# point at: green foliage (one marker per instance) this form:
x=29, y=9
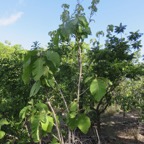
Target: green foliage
x=2, y=122
x=98, y=88
x=35, y=88
x=71, y=83
x=130, y=95
x=73, y=109
x=84, y=123
x=38, y=69
x=39, y=117
x=53, y=57
x=80, y=121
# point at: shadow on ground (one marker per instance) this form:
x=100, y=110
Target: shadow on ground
x=118, y=130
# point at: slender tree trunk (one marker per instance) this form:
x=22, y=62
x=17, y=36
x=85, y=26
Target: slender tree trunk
x=80, y=71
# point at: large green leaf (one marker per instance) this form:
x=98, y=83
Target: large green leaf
x=44, y=125
x=27, y=66
x=51, y=123
x=84, y=123
x=53, y=57
x=98, y=88
x=2, y=134
x=35, y=88
x=35, y=128
x=38, y=68
x=48, y=125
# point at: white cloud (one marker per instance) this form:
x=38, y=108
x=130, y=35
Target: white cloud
x=11, y=19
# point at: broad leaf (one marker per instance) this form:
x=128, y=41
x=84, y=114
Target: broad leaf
x=2, y=134
x=51, y=123
x=44, y=125
x=35, y=88
x=35, y=128
x=27, y=66
x=98, y=88
x=53, y=57
x=84, y=123
x=38, y=68
x=48, y=125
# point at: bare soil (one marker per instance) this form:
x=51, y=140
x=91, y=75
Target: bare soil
x=117, y=129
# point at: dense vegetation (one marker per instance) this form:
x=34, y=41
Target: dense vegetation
x=54, y=95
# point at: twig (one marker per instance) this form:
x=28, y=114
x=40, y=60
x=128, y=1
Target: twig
x=84, y=91
x=99, y=142
x=57, y=127
x=62, y=96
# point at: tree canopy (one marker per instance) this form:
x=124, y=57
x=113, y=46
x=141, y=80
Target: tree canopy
x=54, y=95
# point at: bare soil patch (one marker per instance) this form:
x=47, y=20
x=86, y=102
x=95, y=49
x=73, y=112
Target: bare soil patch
x=117, y=129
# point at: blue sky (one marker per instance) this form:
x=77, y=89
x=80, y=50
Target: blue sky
x=25, y=21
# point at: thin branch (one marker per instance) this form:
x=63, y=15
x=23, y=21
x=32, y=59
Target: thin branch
x=80, y=72
x=84, y=91
x=99, y=142
x=62, y=96
x=57, y=127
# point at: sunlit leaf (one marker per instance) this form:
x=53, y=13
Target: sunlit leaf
x=44, y=125
x=51, y=123
x=2, y=134
x=73, y=109
x=84, y=123
x=35, y=128
x=98, y=88
x=48, y=124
